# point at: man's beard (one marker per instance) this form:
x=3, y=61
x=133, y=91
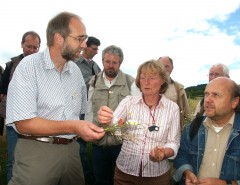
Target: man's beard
x=111, y=73
x=69, y=54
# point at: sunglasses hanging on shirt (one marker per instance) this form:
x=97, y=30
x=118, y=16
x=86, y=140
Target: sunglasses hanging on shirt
x=153, y=127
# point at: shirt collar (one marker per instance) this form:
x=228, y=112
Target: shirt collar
x=107, y=82
x=208, y=121
x=83, y=59
x=162, y=102
x=87, y=60
x=49, y=63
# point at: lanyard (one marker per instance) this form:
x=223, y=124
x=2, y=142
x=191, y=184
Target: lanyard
x=153, y=115
x=153, y=127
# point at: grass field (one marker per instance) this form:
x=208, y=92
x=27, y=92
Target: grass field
x=3, y=149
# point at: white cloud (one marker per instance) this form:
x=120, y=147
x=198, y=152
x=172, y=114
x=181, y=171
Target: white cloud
x=143, y=29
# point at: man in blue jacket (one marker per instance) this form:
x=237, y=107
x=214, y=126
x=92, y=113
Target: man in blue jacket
x=212, y=156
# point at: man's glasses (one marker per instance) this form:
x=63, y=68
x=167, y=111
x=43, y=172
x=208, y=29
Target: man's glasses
x=80, y=38
x=111, y=62
x=215, y=75
x=94, y=49
x=32, y=47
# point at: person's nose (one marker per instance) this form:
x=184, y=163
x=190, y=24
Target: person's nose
x=83, y=44
x=212, y=77
x=146, y=80
x=32, y=50
x=208, y=98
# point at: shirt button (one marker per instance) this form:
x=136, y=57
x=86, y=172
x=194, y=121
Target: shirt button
x=213, y=164
x=215, y=149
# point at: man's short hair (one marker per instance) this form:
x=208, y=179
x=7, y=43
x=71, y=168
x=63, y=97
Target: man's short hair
x=224, y=68
x=93, y=41
x=59, y=24
x=236, y=93
x=33, y=33
x=115, y=50
x=171, y=60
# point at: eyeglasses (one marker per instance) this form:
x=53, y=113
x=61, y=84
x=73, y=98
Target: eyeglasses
x=32, y=47
x=94, y=49
x=111, y=62
x=80, y=38
x=215, y=74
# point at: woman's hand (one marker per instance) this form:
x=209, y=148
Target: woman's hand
x=157, y=154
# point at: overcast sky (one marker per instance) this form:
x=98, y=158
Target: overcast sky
x=194, y=33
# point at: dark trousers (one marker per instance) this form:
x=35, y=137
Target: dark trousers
x=122, y=178
x=104, y=162
x=86, y=164
x=12, y=138
x=1, y=125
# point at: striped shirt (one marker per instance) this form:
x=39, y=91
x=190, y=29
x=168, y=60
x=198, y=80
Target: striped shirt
x=38, y=89
x=136, y=148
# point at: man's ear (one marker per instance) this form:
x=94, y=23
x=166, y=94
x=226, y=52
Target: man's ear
x=58, y=38
x=236, y=103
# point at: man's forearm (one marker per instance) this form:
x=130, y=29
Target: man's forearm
x=44, y=127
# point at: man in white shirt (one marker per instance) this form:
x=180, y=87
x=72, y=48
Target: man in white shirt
x=46, y=96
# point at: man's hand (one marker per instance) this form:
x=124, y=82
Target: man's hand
x=105, y=115
x=190, y=177
x=211, y=181
x=88, y=131
x=43, y=127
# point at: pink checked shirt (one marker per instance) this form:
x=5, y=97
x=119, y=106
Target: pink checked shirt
x=139, y=141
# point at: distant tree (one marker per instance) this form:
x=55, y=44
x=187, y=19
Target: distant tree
x=195, y=91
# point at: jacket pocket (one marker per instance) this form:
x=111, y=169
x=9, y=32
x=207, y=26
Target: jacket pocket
x=231, y=164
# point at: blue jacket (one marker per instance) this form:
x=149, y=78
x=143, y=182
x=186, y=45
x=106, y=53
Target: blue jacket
x=190, y=153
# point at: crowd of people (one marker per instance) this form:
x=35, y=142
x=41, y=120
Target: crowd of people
x=56, y=101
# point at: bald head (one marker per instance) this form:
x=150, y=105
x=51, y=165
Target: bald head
x=227, y=84
x=221, y=99
x=167, y=62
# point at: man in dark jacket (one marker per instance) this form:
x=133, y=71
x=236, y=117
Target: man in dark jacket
x=1, y=118
x=30, y=44
x=212, y=155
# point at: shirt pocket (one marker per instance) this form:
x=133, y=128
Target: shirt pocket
x=76, y=102
x=122, y=94
x=193, y=154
